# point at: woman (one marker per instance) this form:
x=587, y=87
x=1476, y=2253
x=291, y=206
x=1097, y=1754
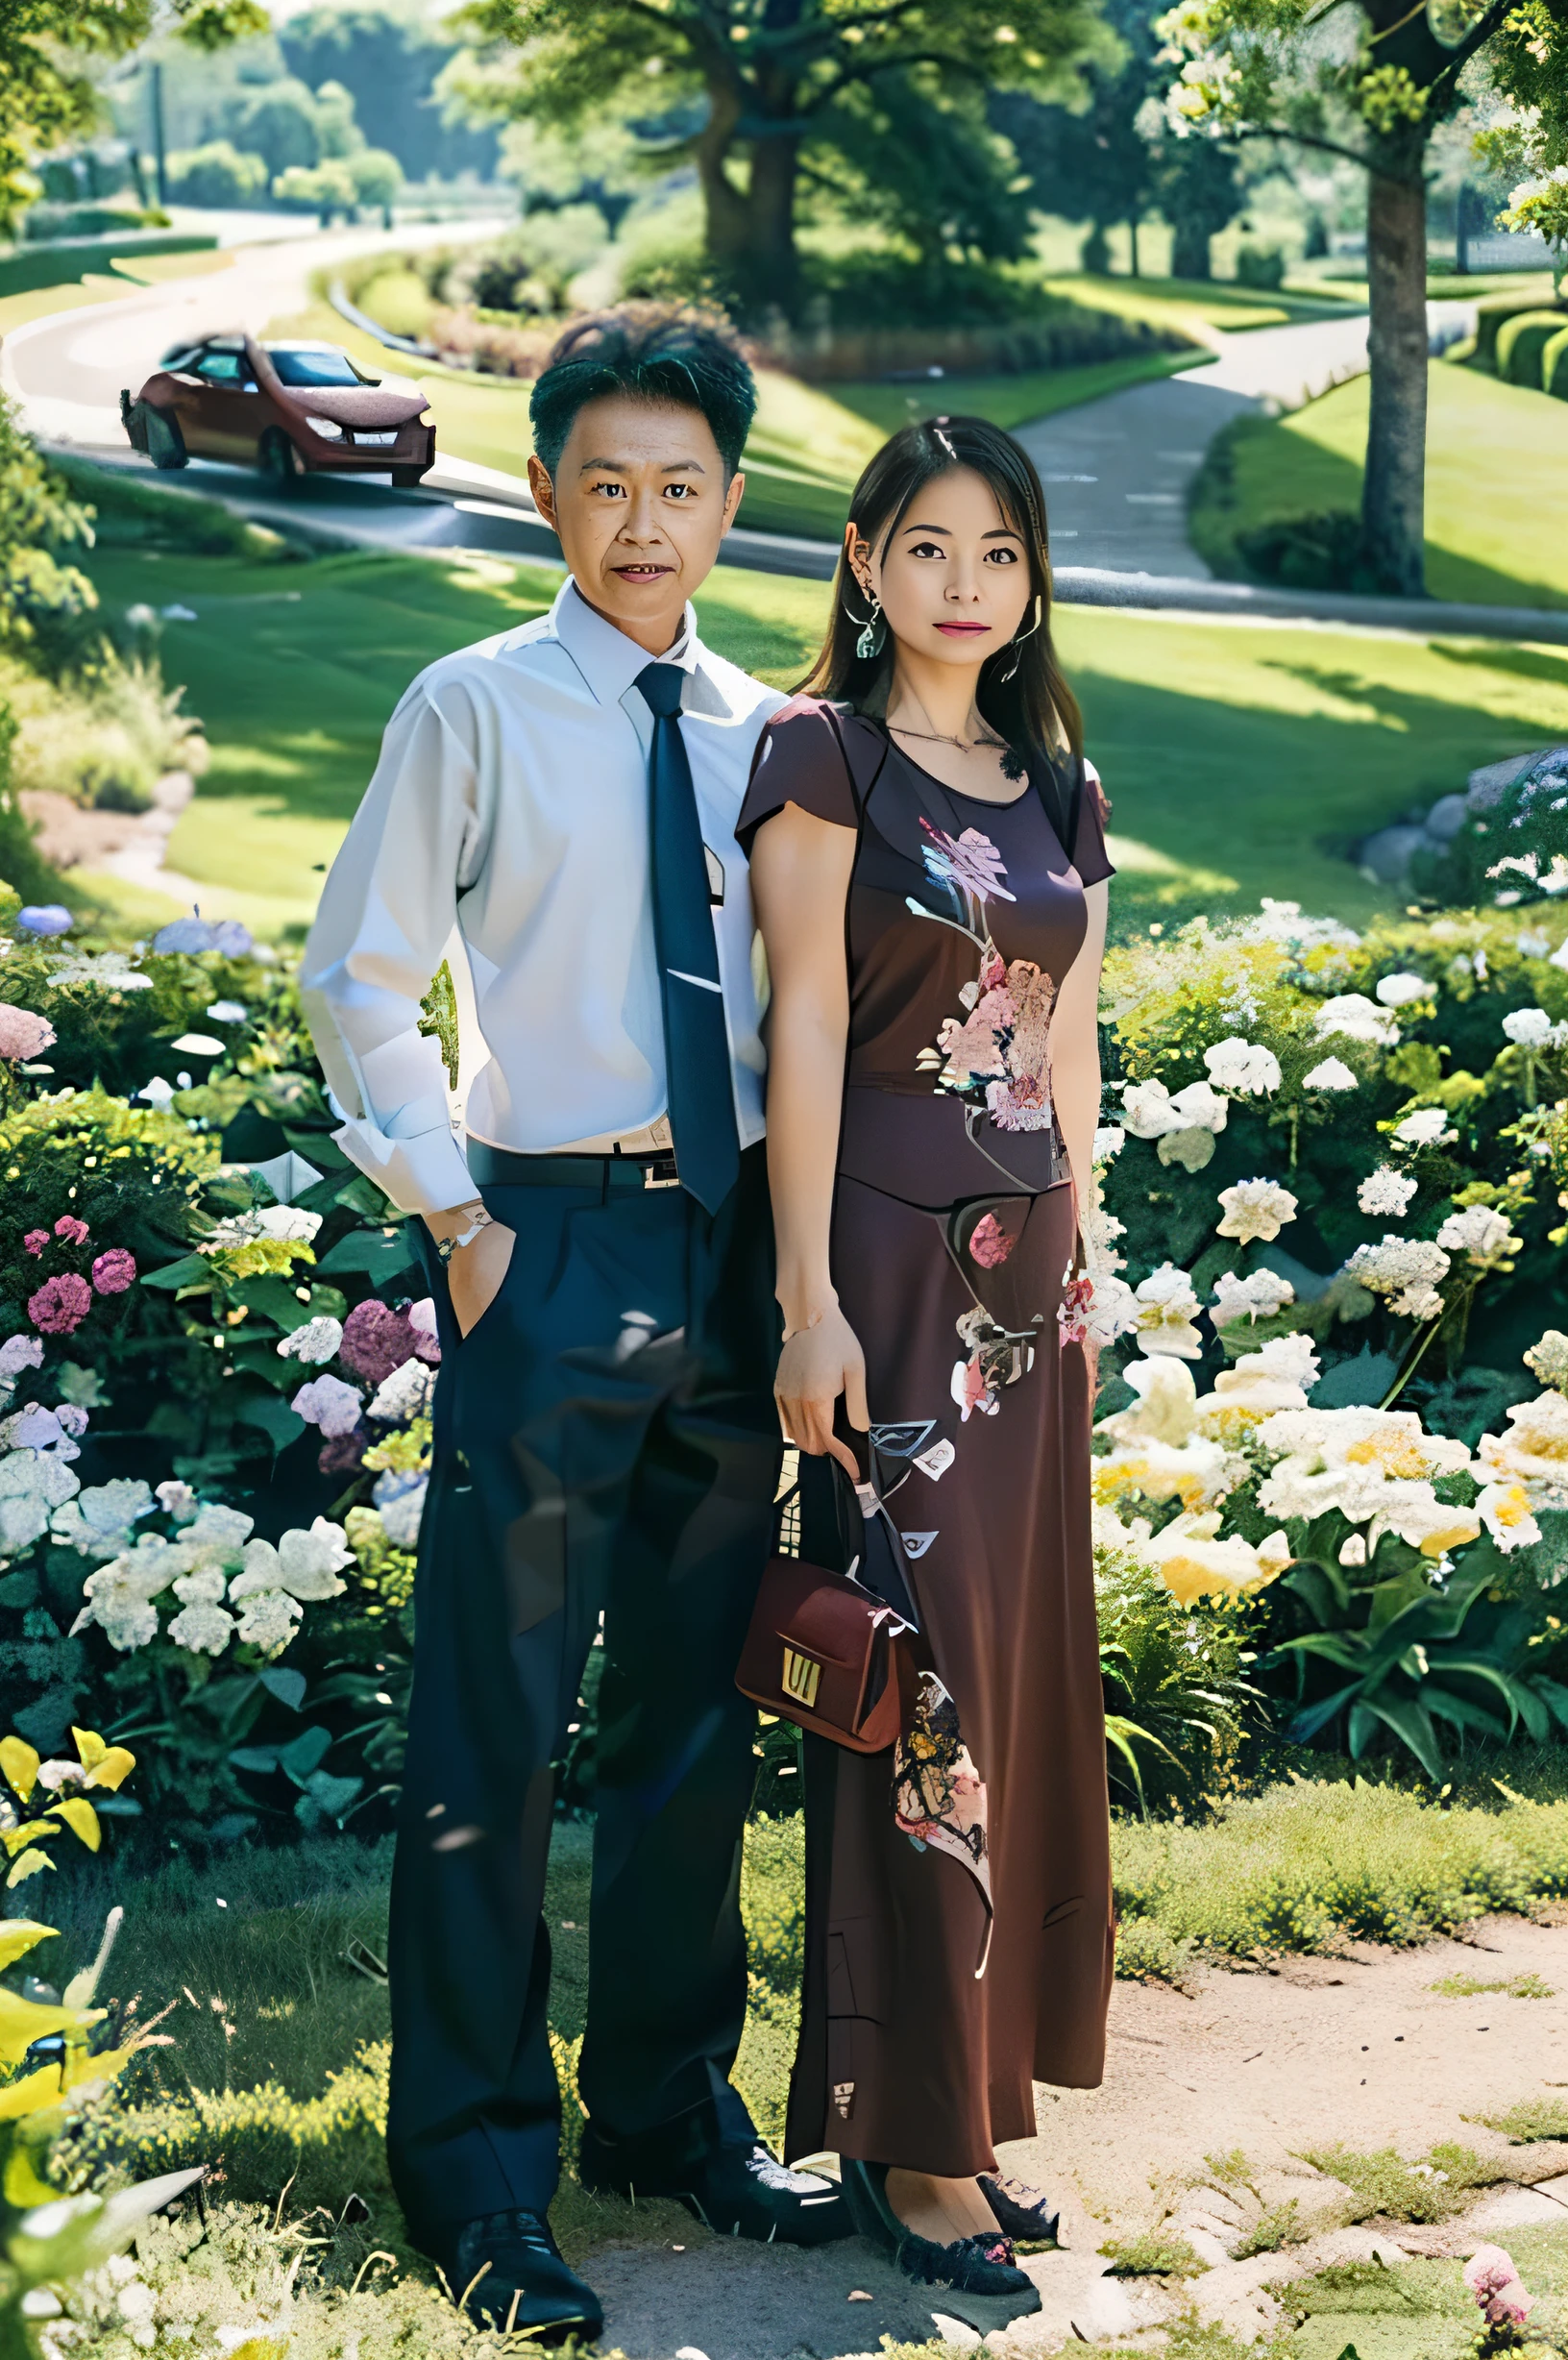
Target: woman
x=929, y=870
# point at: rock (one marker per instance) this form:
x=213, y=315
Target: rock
x=1386, y=856
x=1516, y=2208
x=1447, y=816
x=1491, y=782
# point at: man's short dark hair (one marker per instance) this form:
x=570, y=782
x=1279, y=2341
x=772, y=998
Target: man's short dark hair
x=657, y=352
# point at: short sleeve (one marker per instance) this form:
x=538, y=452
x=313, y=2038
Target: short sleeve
x=799, y=759
x=1089, y=853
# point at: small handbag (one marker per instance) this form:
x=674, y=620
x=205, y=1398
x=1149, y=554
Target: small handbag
x=830, y=1655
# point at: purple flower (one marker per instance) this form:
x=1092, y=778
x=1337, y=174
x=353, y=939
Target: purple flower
x=45, y=918
x=22, y=1034
x=343, y=1454
x=73, y=1231
x=328, y=1403
x=19, y=1352
x=114, y=1271
x=378, y=1340
x=195, y=934
x=971, y=861
x=36, y=1240
x=60, y=1305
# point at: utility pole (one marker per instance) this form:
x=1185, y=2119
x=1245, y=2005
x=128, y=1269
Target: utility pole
x=155, y=74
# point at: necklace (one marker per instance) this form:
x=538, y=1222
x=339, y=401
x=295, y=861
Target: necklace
x=1012, y=766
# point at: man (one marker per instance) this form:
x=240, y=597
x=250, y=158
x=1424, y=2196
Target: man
x=605, y=1445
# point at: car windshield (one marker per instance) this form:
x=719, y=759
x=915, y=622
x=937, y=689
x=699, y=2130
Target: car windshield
x=298, y=364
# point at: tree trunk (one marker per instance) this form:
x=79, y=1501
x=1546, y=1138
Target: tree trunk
x=1131, y=242
x=1393, y=494
x=725, y=206
x=1189, y=256
x=773, y=261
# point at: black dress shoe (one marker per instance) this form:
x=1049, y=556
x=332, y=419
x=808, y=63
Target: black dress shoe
x=506, y=2272
x=980, y=2265
x=738, y=2191
x=1023, y=2212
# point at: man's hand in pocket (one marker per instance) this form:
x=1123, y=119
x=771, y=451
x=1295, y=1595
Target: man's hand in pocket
x=476, y=1272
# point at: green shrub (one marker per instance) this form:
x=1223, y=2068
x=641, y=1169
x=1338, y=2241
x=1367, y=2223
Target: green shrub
x=1384, y=2184
x=1259, y=266
x=105, y=738
x=217, y=174
x=1174, y=1683
x=1534, y=2118
x=1521, y=343
x=1554, y=365
x=1317, y=549
x=1504, y=853
x=1155, y=2254
x=400, y=301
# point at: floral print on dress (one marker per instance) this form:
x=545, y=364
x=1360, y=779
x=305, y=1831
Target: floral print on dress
x=939, y=1796
x=998, y=1056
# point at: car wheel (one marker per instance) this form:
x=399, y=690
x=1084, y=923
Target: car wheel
x=165, y=444
x=407, y=479
x=279, y=460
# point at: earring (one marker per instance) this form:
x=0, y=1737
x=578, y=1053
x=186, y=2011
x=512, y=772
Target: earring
x=873, y=634
x=1018, y=638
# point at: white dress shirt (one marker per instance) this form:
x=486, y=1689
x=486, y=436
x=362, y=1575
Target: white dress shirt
x=511, y=801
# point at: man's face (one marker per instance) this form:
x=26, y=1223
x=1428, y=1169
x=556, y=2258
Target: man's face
x=641, y=505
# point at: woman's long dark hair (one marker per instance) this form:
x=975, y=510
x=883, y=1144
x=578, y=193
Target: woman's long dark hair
x=1034, y=709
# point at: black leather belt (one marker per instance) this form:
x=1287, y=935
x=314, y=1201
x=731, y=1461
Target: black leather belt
x=497, y=1167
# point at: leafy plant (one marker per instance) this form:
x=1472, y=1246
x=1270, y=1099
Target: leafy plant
x=43, y=1807
x=1174, y=1675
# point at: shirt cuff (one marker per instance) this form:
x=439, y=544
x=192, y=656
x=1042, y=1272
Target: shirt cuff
x=424, y=1175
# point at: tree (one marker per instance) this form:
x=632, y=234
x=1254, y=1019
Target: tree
x=47, y=93
x=1198, y=184
x=279, y=122
x=1372, y=79
x=326, y=189
x=778, y=85
x=216, y=174
x=391, y=65
x=378, y=176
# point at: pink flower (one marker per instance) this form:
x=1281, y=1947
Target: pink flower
x=993, y=972
x=22, y=1034
x=971, y=1048
x=36, y=1240
x=60, y=1305
x=970, y=1391
x=1494, y=2280
x=971, y=861
x=989, y=1242
x=114, y=1271
x=1072, y=1312
x=73, y=1231
x=1023, y=1105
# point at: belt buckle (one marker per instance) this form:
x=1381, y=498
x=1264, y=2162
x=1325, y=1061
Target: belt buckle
x=661, y=1173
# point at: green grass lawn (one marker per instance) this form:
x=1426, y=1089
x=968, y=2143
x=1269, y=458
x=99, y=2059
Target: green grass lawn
x=1242, y=760
x=1497, y=457
x=1190, y=306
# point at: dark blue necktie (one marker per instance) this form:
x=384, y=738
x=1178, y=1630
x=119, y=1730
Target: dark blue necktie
x=695, y=1043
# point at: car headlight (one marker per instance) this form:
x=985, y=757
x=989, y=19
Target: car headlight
x=326, y=428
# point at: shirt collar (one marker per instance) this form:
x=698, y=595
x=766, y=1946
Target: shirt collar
x=607, y=660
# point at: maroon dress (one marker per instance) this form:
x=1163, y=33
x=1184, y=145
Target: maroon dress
x=960, y=1939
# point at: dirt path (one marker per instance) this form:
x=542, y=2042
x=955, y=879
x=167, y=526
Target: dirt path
x=1357, y=2051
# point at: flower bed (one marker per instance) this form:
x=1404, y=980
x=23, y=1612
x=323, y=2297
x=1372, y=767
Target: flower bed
x=1338, y=1184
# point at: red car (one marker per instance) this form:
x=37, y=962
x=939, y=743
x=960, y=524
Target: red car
x=293, y=408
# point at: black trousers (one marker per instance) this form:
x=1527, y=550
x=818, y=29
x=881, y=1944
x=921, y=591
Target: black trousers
x=606, y=1446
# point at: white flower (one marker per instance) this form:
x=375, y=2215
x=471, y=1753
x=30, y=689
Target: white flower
x=127, y=1623
x=1352, y=1549
x=1353, y=1017
x=1291, y=1358
x=1169, y=1306
x=290, y=1222
x=1242, y=1066
x=1257, y=1296
x=1535, y=1454
x=1398, y=991
x=422, y=1314
x=203, y=1630
x=328, y=1403
x=401, y=1500
x=1399, y=1267
x=98, y=1521
x=1165, y=1409
x=268, y=1620
x=1108, y=1141
x=1150, y=1110
x=203, y=1588
x=1113, y=1309
x=1532, y=944
x=1548, y=1359
x=217, y=1536
x=315, y=1341
x=229, y=1011
x=40, y=1475
x=1255, y=1209
x=404, y=1395
x=1505, y=1510
x=178, y=1500
x=108, y=971
x=1427, y=1127
x=1386, y=1192
x=1421, y=1519
x=303, y=1564
x=16, y=1353
x=1528, y=1028
x=1482, y=1234
x=1331, y=1074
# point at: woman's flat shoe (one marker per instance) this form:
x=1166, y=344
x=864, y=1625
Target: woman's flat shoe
x=975, y=2266
x=1021, y=2211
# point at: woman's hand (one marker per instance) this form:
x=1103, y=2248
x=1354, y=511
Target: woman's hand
x=476, y=1272
x=818, y=1364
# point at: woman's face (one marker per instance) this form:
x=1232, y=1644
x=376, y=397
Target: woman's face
x=954, y=583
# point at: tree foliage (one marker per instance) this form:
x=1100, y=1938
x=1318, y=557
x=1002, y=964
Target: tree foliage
x=47, y=95
x=759, y=91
